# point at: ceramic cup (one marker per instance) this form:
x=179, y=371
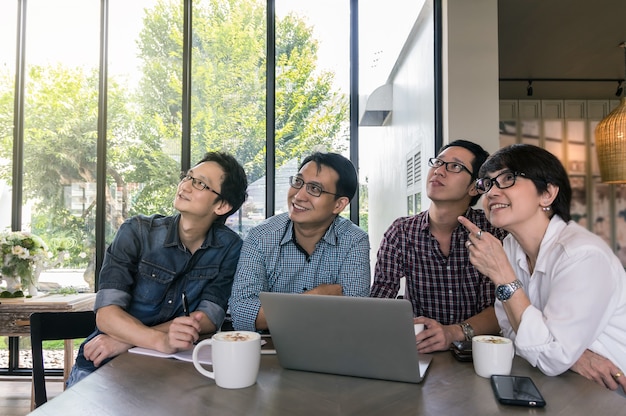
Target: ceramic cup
x=235, y=355
x=492, y=355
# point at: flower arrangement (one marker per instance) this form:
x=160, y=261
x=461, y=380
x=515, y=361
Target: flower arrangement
x=23, y=256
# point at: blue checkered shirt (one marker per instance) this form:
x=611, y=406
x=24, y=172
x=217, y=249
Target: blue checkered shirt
x=270, y=261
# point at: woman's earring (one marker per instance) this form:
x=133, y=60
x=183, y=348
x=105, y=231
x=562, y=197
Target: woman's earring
x=546, y=209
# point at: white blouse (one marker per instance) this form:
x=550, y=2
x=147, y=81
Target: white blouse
x=578, y=297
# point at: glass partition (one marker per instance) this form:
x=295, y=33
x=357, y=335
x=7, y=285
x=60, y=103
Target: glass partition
x=312, y=85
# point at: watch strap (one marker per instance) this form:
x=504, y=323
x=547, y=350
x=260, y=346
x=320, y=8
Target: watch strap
x=511, y=288
x=468, y=331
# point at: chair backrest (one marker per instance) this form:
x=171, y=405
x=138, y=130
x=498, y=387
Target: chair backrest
x=48, y=326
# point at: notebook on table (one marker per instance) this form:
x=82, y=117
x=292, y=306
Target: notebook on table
x=352, y=336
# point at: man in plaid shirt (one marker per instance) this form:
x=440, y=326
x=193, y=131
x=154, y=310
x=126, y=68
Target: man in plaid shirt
x=449, y=296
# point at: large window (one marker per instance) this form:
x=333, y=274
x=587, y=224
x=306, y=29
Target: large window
x=103, y=103
x=60, y=125
x=8, y=13
x=312, y=84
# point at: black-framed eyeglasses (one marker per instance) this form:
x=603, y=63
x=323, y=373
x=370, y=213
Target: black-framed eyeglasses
x=504, y=180
x=312, y=189
x=197, y=183
x=454, y=167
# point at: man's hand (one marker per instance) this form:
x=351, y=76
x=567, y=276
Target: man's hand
x=599, y=369
x=434, y=337
x=326, y=289
x=102, y=347
x=184, y=331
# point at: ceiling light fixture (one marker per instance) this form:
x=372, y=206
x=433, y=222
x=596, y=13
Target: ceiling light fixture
x=611, y=140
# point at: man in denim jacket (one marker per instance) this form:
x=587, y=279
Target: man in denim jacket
x=154, y=259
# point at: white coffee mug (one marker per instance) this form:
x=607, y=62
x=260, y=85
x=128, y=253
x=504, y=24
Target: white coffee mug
x=492, y=355
x=236, y=356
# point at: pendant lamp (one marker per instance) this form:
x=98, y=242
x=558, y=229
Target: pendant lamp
x=611, y=141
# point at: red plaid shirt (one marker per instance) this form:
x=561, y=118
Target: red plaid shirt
x=446, y=289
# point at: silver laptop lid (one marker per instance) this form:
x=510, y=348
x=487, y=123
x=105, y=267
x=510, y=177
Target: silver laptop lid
x=362, y=337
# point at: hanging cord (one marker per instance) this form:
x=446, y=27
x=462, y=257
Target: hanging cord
x=623, y=46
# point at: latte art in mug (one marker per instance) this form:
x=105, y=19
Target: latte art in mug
x=233, y=336
x=492, y=340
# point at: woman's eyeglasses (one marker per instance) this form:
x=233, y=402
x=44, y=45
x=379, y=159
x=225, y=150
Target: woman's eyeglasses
x=502, y=181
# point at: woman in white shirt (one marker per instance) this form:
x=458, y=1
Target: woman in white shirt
x=561, y=291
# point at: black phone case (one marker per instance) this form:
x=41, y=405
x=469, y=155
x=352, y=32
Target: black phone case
x=462, y=350
x=522, y=391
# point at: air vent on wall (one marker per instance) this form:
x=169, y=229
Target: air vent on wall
x=413, y=171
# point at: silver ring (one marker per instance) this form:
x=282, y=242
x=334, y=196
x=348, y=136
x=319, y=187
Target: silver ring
x=468, y=243
x=479, y=234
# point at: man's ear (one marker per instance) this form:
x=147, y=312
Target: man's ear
x=223, y=207
x=340, y=204
x=472, y=190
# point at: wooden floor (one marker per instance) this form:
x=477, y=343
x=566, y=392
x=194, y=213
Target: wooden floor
x=15, y=394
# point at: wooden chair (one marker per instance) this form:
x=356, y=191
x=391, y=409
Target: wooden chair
x=48, y=326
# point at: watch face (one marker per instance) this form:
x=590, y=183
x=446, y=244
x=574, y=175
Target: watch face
x=503, y=292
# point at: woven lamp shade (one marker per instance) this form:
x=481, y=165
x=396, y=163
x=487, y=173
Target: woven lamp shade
x=611, y=145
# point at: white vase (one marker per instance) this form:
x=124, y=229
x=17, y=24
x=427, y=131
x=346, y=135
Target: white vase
x=34, y=281
x=13, y=283
x=32, y=289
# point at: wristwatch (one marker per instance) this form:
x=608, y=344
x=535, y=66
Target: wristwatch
x=468, y=331
x=504, y=292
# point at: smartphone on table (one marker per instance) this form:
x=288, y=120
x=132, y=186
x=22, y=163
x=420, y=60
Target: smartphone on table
x=462, y=350
x=517, y=390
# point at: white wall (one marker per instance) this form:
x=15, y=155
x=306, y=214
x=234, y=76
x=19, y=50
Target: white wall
x=470, y=66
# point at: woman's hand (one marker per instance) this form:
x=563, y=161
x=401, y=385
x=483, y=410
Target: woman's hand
x=487, y=254
x=599, y=369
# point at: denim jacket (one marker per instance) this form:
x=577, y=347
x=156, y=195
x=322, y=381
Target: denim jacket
x=146, y=269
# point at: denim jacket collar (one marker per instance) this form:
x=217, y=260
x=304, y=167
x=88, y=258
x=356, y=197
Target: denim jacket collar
x=173, y=238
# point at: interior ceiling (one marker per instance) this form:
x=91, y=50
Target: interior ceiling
x=561, y=39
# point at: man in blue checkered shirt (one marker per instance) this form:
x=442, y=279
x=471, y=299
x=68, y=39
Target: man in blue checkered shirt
x=450, y=297
x=310, y=249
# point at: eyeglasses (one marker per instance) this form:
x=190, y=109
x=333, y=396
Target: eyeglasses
x=454, y=167
x=197, y=183
x=312, y=189
x=504, y=180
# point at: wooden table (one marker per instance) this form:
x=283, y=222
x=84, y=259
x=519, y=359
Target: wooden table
x=132, y=384
x=15, y=321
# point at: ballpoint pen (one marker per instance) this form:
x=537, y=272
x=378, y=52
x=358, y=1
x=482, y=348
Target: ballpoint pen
x=185, y=304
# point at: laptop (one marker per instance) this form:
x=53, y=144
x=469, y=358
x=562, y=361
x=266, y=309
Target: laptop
x=352, y=336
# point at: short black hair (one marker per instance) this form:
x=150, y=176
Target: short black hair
x=347, y=182
x=234, y=185
x=480, y=155
x=540, y=166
